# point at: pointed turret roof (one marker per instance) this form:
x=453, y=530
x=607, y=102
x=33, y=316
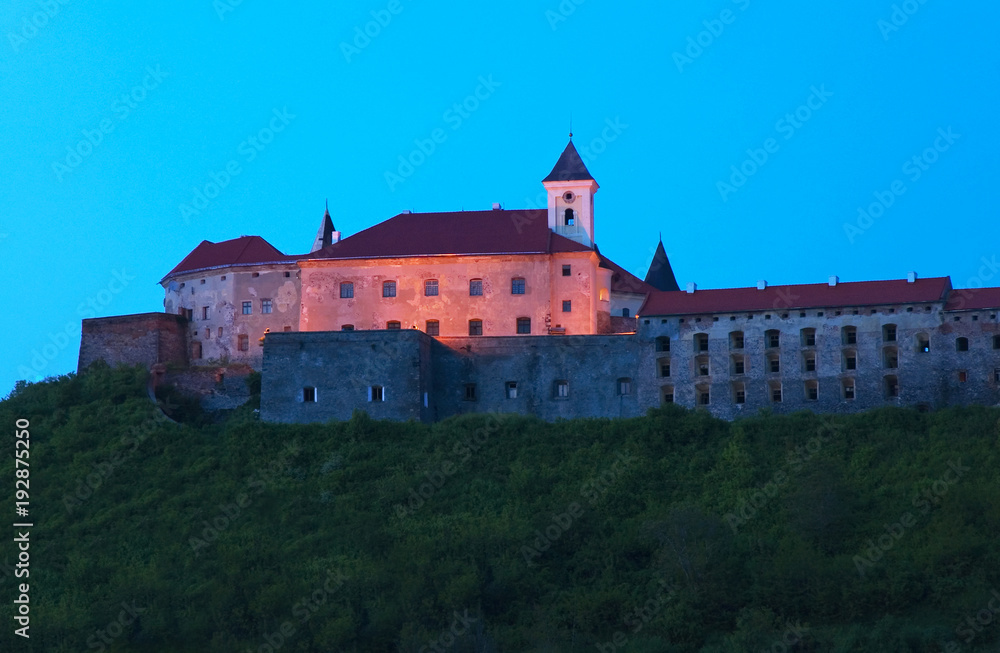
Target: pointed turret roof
x=660, y=274
x=569, y=167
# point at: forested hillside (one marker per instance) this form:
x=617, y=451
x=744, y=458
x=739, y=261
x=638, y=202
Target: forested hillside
x=672, y=532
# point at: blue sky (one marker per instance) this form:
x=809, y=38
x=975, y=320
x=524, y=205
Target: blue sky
x=749, y=133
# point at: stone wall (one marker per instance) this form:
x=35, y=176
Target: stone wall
x=145, y=338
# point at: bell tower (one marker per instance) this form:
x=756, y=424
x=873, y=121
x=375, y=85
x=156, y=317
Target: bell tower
x=571, y=189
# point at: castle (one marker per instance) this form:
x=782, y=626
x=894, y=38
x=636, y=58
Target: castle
x=428, y=315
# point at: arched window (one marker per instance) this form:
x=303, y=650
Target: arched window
x=569, y=218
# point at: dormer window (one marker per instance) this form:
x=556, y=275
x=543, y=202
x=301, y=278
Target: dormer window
x=569, y=218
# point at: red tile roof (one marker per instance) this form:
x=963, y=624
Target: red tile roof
x=461, y=232
x=817, y=295
x=970, y=299
x=245, y=250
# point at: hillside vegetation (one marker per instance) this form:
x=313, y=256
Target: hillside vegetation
x=668, y=533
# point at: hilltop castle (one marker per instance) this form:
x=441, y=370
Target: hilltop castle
x=427, y=315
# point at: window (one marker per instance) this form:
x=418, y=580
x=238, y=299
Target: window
x=663, y=343
x=665, y=367
x=889, y=333
x=923, y=343
x=524, y=325
x=346, y=290
x=848, y=388
x=560, y=389
x=248, y=308
x=701, y=342
x=849, y=335
x=568, y=307
x=624, y=386
x=667, y=393
x=470, y=391
x=393, y=325
x=890, y=358
x=432, y=328
x=808, y=337
x=388, y=288
x=812, y=390
x=376, y=393
x=962, y=344
x=776, y=393
x=773, y=364
x=626, y=313
x=476, y=288
x=309, y=394
x=244, y=342
x=347, y=327
x=963, y=376
x=701, y=366
x=204, y=312
x=736, y=340
x=475, y=327
x=809, y=363
x=772, y=338
x=569, y=218
x=850, y=360
x=517, y=286
x=431, y=288
x=265, y=306
x=511, y=389
x=739, y=364
x=566, y=270
x=891, y=387
x=739, y=393
x=195, y=350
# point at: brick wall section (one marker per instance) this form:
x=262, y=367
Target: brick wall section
x=145, y=338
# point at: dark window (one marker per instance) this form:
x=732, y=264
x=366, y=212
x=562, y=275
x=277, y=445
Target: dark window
x=511, y=389
x=248, y=308
x=470, y=391
x=432, y=328
x=376, y=393
x=523, y=325
x=265, y=306
x=962, y=344
x=309, y=394
x=566, y=271
x=475, y=327
x=569, y=218
x=244, y=342
x=388, y=288
x=517, y=286
x=476, y=288
x=346, y=290
x=624, y=386
x=347, y=327
x=568, y=307
x=430, y=288
x=395, y=326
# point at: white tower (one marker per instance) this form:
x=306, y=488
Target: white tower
x=571, y=191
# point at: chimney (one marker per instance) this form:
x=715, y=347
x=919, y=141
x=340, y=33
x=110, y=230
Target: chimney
x=911, y=277
x=496, y=206
x=761, y=285
x=834, y=280
x=691, y=288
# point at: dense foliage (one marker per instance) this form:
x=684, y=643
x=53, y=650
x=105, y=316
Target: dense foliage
x=671, y=532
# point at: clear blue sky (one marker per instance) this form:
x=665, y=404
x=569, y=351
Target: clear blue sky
x=180, y=88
